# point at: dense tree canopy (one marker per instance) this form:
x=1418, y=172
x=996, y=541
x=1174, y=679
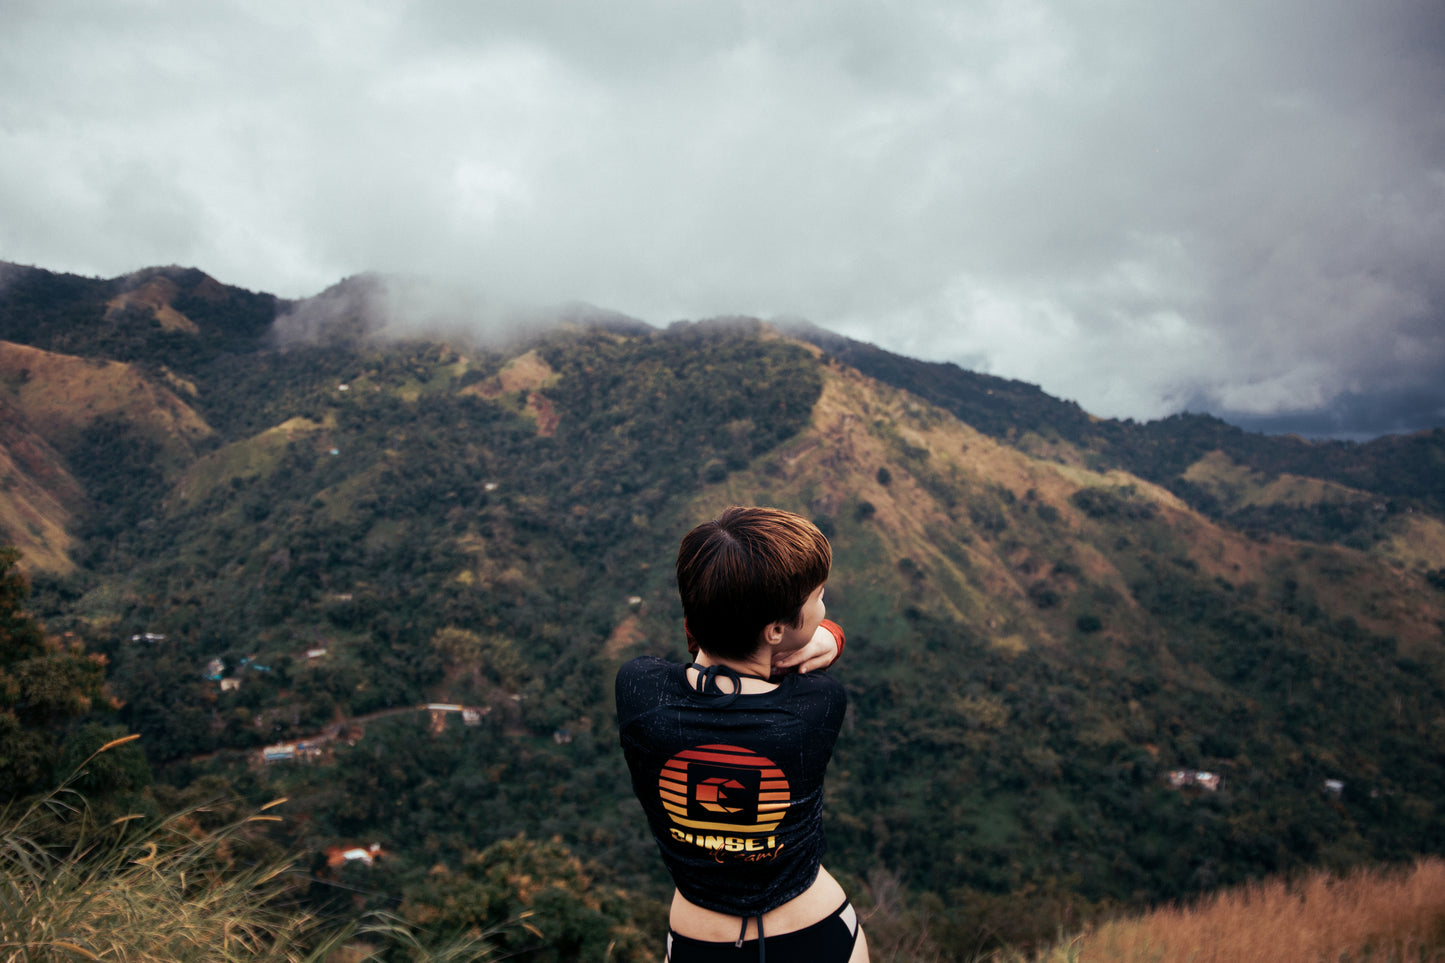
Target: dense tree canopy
x=45, y=684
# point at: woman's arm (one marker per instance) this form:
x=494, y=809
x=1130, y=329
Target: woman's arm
x=825, y=647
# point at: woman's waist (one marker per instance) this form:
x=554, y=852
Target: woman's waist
x=817, y=902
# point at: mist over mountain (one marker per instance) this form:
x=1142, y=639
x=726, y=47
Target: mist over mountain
x=288, y=522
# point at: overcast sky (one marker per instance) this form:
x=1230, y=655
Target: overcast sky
x=1234, y=206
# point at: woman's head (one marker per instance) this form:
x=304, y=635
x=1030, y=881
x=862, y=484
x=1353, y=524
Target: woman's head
x=743, y=571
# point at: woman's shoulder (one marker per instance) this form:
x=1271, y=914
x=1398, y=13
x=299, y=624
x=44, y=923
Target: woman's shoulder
x=645, y=665
x=816, y=695
x=643, y=682
x=813, y=682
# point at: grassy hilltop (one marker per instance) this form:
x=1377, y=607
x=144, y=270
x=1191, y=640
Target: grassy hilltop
x=1048, y=614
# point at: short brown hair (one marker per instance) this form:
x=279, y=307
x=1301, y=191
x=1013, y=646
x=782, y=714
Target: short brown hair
x=743, y=571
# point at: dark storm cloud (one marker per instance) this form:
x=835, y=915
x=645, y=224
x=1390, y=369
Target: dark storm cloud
x=1355, y=417
x=1231, y=206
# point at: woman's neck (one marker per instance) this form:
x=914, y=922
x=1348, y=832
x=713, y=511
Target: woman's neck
x=760, y=664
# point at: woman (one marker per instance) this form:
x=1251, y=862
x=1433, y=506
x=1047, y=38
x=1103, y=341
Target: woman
x=728, y=753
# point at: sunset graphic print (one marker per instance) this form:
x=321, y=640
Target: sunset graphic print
x=724, y=789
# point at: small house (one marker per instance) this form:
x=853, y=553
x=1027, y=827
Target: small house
x=343, y=855
x=1194, y=779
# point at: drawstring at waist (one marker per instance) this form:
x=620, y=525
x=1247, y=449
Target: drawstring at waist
x=762, y=943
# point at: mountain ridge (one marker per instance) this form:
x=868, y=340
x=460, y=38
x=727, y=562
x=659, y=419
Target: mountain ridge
x=1129, y=444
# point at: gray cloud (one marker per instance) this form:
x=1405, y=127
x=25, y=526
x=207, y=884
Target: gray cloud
x=1234, y=207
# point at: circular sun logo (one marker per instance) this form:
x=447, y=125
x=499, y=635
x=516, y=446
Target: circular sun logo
x=724, y=788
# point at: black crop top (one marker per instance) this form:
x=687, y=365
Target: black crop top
x=732, y=785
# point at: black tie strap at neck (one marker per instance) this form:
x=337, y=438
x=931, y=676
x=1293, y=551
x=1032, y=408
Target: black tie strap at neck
x=707, y=684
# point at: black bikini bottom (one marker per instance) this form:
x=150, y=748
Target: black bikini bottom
x=830, y=940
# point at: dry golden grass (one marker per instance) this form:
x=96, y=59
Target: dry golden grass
x=526, y=372
x=144, y=892
x=1392, y=915
x=156, y=294
x=1416, y=543
x=46, y=401
x=38, y=498
x=59, y=395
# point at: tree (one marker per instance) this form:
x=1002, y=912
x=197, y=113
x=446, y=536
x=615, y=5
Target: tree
x=534, y=898
x=44, y=685
x=495, y=656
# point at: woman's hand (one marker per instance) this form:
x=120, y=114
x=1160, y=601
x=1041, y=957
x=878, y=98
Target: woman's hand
x=819, y=653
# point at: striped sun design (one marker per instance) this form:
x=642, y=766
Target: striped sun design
x=773, y=789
